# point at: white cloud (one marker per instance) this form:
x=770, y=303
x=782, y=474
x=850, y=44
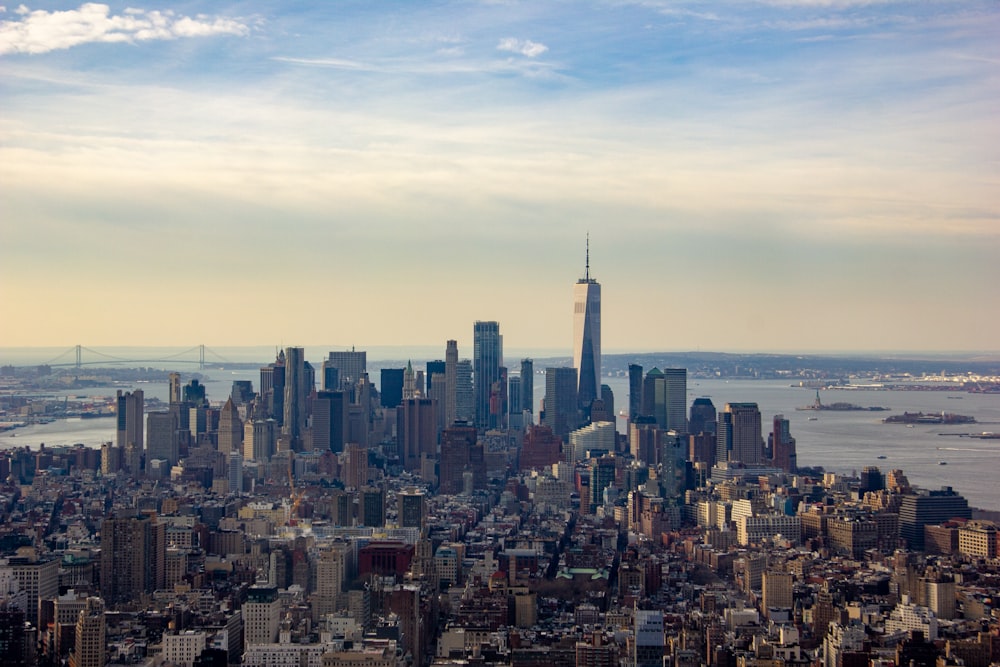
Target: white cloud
x=42, y=31
x=523, y=46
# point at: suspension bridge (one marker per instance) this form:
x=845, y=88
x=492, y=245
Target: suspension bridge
x=80, y=356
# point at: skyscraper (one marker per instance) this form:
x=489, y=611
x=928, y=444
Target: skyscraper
x=528, y=385
x=230, y=429
x=465, y=404
x=450, y=382
x=350, y=365
x=561, y=401
x=634, y=390
x=416, y=431
x=412, y=508
x=175, y=388
x=675, y=380
x=391, y=387
x=294, y=425
x=703, y=416
x=783, y=453
x=163, y=439
x=130, y=408
x=272, y=388
x=487, y=358
x=739, y=434
x=330, y=421
x=587, y=336
x=436, y=367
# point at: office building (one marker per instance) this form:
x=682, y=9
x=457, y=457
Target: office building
x=90, y=636
x=596, y=438
x=330, y=376
x=263, y=440
x=675, y=399
x=351, y=365
x=650, y=641
x=634, y=391
x=461, y=452
x=296, y=390
x=242, y=392
x=487, y=358
x=606, y=411
x=739, y=435
x=561, y=404
x=391, y=387
x=163, y=441
x=330, y=420
x=664, y=397
x=230, y=433
x=450, y=382
x=416, y=431
x=261, y=615
x=528, y=385
x=174, y=392
x=436, y=367
x=921, y=508
x=130, y=408
x=371, y=505
x=194, y=393
x=235, y=471
x=412, y=508
x=783, y=454
x=587, y=337
x=514, y=396
x=703, y=416
x=602, y=475
x=465, y=402
x=272, y=388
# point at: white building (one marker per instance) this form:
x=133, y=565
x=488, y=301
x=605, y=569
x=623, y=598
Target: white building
x=182, y=649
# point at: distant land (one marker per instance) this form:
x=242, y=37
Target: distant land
x=899, y=366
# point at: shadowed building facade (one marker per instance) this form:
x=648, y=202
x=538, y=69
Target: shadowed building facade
x=487, y=358
x=587, y=337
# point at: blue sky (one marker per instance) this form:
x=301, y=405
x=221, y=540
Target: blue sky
x=754, y=175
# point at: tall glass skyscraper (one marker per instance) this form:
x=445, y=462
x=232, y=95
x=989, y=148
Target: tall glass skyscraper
x=587, y=336
x=487, y=358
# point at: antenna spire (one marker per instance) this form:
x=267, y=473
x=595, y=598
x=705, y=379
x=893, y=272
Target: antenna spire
x=587, y=277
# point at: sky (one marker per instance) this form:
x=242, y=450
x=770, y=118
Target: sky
x=754, y=175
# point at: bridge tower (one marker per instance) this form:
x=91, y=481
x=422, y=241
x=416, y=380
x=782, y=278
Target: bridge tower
x=201, y=357
x=79, y=355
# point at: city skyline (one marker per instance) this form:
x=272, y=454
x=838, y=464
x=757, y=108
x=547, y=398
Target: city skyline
x=792, y=176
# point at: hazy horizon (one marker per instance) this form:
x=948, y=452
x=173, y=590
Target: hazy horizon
x=263, y=353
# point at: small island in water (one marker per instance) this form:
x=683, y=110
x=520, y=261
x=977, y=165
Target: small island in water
x=840, y=407
x=929, y=418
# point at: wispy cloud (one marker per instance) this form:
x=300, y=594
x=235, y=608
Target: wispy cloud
x=41, y=31
x=523, y=46
x=424, y=66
